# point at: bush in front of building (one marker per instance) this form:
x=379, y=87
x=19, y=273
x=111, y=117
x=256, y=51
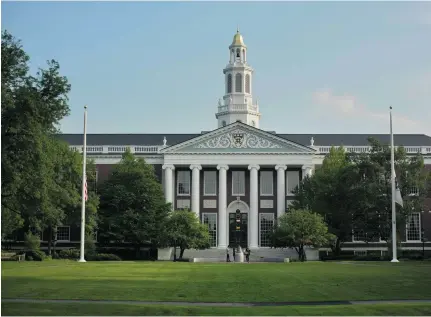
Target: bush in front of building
x=69, y=254
x=104, y=257
x=32, y=248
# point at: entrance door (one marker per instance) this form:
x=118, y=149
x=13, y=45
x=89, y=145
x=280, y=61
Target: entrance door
x=243, y=235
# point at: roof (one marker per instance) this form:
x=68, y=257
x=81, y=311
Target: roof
x=304, y=139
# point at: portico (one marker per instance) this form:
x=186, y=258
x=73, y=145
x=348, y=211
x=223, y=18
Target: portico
x=239, y=165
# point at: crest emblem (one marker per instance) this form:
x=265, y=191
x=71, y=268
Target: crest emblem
x=238, y=139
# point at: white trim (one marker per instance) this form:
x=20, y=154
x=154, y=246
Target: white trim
x=216, y=183
x=297, y=174
x=419, y=229
x=241, y=173
x=56, y=234
x=272, y=183
x=178, y=183
x=239, y=125
x=216, y=223
x=260, y=226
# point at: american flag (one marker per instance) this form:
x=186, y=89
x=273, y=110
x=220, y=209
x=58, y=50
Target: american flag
x=85, y=189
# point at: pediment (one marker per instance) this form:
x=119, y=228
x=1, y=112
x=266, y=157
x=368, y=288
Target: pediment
x=241, y=138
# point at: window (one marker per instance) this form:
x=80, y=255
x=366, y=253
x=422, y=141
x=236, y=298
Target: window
x=247, y=83
x=210, y=219
x=292, y=181
x=266, y=183
x=238, y=53
x=229, y=84
x=238, y=183
x=210, y=183
x=358, y=236
x=414, y=191
x=223, y=123
x=414, y=227
x=63, y=233
x=266, y=223
x=183, y=183
x=238, y=83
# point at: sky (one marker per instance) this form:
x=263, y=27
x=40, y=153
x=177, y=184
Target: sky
x=157, y=67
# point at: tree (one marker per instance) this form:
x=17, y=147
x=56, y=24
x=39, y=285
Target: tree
x=376, y=219
x=31, y=109
x=132, y=204
x=184, y=230
x=41, y=176
x=300, y=228
x=331, y=193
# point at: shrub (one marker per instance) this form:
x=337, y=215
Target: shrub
x=32, y=242
x=90, y=246
x=35, y=255
x=71, y=254
x=105, y=257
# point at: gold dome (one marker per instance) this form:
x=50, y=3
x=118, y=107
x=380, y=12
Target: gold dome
x=237, y=39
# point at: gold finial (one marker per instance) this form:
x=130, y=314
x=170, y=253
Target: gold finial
x=85, y=107
x=237, y=28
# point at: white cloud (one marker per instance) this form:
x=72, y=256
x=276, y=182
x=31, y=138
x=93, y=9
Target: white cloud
x=348, y=107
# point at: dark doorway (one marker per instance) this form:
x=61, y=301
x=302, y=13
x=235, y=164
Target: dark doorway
x=243, y=235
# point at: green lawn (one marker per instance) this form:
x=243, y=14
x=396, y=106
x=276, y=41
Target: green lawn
x=16, y=309
x=221, y=282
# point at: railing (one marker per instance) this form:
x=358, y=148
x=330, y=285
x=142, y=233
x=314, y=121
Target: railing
x=152, y=149
x=237, y=107
x=119, y=149
x=366, y=149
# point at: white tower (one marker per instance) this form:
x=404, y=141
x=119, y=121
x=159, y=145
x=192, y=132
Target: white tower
x=237, y=103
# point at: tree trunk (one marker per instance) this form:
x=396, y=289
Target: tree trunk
x=49, y=239
x=137, y=251
x=182, y=252
x=337, y=250
x=175, y=253
x=301, y=253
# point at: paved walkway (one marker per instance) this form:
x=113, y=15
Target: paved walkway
x=215, y=304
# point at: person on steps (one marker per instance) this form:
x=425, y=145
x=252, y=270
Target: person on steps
x=247, y=255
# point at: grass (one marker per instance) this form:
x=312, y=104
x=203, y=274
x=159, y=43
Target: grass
x=16, y=309
x=220, y=282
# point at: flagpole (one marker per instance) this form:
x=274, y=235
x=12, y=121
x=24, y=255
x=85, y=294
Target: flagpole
x=84, y=165
x=394, y=215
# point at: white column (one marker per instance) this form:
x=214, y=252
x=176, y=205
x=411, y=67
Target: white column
x=307, y=170
x=254, y=203
x=281, y=189
x=195, y=188
x=222, y=205
x=169, y=168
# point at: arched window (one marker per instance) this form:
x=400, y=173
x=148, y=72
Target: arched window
x=223, y=123
x=238, y=83
x=229, y=84
x=247, y=83
x=237, y=53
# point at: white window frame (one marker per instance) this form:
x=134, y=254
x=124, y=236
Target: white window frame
x=206, y=173
x=353, y=237
x=216, y=224
x=56, y=234
x=233, y=183
x=188, y=173
x=291, y=173
x=260, y=226
x=414, y=191
x=262, y=173
x=419, y=225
